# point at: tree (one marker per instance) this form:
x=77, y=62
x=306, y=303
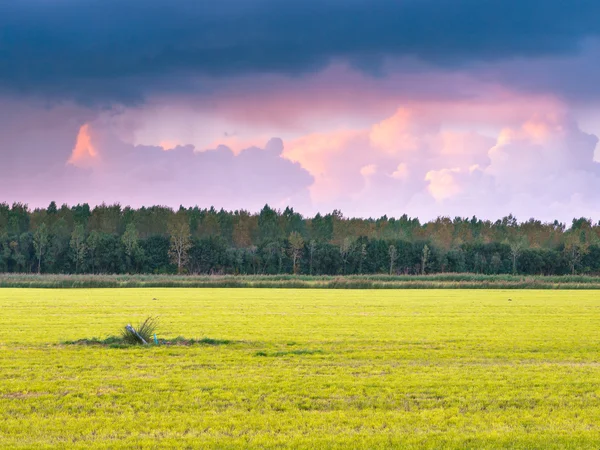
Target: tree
x=496, y=263
x=209, y=226
x=179, y=230
x=575, y=249
x=40, y=243
x=270, y=251
x=78, y=245
x=109, y=254
x=393, y=252
x=424, y=259
x=363, y=255
x=345, y=249
x=281, y=255
x=517, y=243
x=241, y=233
x=296, y=247
x=479, y=262
x=268, y=228
x=292, y=221
x=130, y=242
x=236, y=257
x=4, y=252
x=253, y=257
x=92, y=243
x=17, y=254
x=312, y=248
x=58, y=256
x=322, y=227
x=52, y=209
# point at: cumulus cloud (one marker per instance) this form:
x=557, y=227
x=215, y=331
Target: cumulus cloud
x=443, y=183
x=96, y=166
x=549, y=159
x=409, y=163
x=396, y=154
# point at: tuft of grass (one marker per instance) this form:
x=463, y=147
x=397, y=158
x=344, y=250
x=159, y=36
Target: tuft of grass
x=209, y=341
x=300, y=352
x=111, y=340
x=180, y=340
x=121, y=342
x=145, y=331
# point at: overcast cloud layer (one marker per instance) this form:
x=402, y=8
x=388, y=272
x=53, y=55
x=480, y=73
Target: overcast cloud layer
x=114, y=49
x=374, y=107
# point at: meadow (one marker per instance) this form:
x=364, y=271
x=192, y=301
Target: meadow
x=309, y=368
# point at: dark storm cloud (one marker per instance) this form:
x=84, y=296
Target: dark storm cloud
x=122, y=49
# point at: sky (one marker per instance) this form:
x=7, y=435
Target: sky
x=421, y=107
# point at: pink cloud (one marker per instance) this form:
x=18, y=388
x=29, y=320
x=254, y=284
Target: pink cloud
x=145, y=175
x=84, y=154
x=399, y=151
x=334, y=159
x=443, y=183
x=411, y=162
x=340, y=97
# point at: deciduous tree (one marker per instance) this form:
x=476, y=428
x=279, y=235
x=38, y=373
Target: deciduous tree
x=296, y=248
x=92, y=242
x=312, y=248
x=424, y=258
x=130, y=240
x=393, y=253
x=40, y=243
x=179, y=231
x=78, y=246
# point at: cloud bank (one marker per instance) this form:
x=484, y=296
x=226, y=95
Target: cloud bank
x=542, y=168
x=123, y=51
x=421, y=160
x=98, y=166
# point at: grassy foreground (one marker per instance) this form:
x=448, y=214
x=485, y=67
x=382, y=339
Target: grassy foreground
x=302, y=369
x=435, y=281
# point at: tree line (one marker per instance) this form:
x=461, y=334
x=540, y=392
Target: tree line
x=111, y=239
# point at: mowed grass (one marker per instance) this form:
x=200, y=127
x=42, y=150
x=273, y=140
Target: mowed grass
x=302, y=369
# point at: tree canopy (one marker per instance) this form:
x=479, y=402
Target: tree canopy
x=115, y=239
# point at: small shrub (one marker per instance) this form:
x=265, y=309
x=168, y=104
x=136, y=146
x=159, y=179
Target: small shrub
x=144, y=330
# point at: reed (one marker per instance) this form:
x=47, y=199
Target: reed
x=438, y=281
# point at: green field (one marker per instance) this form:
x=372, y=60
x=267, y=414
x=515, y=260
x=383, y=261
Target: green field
x=302, y=369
